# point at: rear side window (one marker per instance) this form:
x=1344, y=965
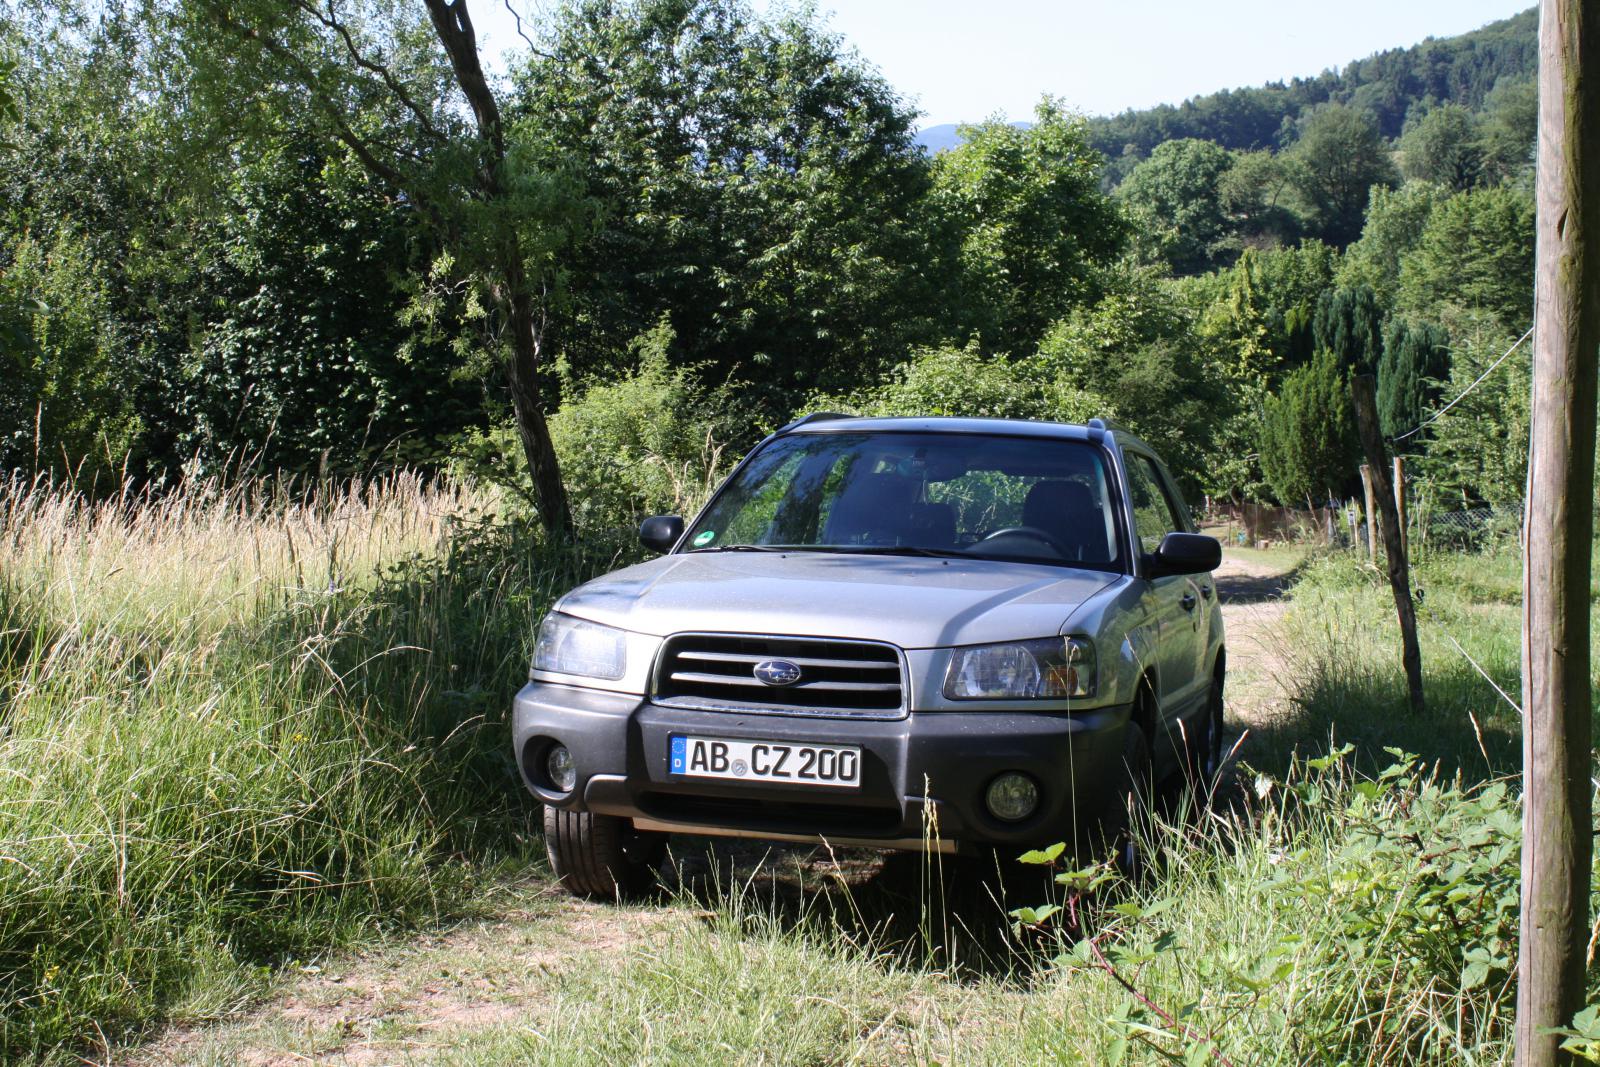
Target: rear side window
x=1154, y=513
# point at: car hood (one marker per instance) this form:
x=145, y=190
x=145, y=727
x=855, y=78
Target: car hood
x=912, y=602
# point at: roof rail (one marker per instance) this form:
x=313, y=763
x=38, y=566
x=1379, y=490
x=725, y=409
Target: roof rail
x=816, y=416
x=1098, y=427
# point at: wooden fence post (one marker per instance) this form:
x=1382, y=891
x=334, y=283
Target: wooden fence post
x=1400, y=502
x=1364, y=391
x=1557, y=841
x=1372, y=512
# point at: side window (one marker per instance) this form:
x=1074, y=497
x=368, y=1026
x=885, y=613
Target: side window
x=1153, y=514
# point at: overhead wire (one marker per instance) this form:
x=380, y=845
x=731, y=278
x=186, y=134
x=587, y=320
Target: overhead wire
x=1479, y=381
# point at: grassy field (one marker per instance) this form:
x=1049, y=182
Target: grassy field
x=241, y=729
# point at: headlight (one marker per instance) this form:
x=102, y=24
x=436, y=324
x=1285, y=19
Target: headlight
x=573, y=646
x=1053, y=668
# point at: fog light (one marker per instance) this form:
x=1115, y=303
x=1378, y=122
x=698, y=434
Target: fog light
x=1012, y=797
x=558, y=764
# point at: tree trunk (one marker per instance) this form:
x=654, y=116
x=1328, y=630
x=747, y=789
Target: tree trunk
x=1364, y=392
x=1557, y=845
x=522, y=378
x=513, y=291
x=1400, y=503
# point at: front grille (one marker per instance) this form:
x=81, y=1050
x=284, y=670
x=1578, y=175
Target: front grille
x=716, y=672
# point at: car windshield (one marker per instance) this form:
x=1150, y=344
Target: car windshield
x=944, y=494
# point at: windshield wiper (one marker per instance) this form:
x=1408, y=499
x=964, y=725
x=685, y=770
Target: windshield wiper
x=895, y=550
x=751, y=548
x=848, y=550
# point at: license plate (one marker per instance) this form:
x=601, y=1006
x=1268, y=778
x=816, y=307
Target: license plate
x=764, y=761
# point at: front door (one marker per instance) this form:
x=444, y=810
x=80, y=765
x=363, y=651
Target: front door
x=1175, y=603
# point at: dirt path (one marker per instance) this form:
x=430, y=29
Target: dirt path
x=1252, y=598
x=411, y=1001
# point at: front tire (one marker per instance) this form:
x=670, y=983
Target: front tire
x=1129, y=801
x=1211, y=753
x=600, y=856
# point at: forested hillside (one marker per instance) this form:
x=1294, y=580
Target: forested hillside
x=247, y=238
x=1489, y=69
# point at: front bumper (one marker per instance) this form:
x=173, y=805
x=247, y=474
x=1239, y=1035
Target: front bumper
x=922, y=782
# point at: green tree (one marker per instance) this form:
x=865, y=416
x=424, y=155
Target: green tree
x=1441, y=146
x=84, y=181
x=1266, y=302
x=758, y=183
x=409, y=101
x=1174, y=199
x=1035, y=231
x=1256, y=195
x=1478, y=450
x=966, y=382
x=1416, y=357
x=1394, y=225
x=1339, y=157
x=1136, y=348
x=1349, y=324
x=297, y=351
x=1475, y=254
x=1508, y=126
x=64, y=398
x=1308, y=441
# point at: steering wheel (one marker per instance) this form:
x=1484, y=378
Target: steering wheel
x=1036, y=534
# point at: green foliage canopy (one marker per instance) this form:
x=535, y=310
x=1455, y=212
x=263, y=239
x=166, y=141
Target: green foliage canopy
x=1174, y=198
x=1035, y=231
x=759, y=183
x=1339, y=157
x=1474, y=255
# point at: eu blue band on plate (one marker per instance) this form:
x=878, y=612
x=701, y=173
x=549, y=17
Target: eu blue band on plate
x=678, y=746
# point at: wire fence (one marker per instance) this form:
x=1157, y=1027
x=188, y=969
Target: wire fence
x=1344, y=524
x=1471, y=527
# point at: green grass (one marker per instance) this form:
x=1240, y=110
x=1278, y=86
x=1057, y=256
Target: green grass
x=1341, y=645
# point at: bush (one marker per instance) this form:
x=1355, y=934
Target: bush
x=1408, y=955
x=655, y=441
x=963, y=382
x=1137, y=348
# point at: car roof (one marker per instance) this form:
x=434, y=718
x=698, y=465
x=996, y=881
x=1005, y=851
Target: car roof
x=952, y=424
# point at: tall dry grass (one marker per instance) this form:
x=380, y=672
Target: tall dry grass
x=240, y=724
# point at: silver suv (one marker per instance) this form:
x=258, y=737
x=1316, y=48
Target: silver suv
x=924, y=633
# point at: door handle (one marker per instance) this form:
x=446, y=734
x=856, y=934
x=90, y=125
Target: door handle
x=1187, y=602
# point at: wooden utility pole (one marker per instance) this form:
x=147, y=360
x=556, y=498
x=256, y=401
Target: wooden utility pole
x=1557, y=845
x=1372, y=512
x=1364, y=391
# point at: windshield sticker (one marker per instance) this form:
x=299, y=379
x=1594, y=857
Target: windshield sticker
x=705, y=538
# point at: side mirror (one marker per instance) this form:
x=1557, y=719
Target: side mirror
x=659, y=533
x=1184, y=553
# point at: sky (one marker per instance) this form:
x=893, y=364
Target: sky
x=966, y=60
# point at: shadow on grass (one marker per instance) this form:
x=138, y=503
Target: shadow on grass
x=1466, y=728
x=949, y=913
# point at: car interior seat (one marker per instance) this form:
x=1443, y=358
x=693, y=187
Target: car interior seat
x=1068, y=512
x=875, y=509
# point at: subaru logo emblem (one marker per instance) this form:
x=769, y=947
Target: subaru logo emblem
x=777, y=672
